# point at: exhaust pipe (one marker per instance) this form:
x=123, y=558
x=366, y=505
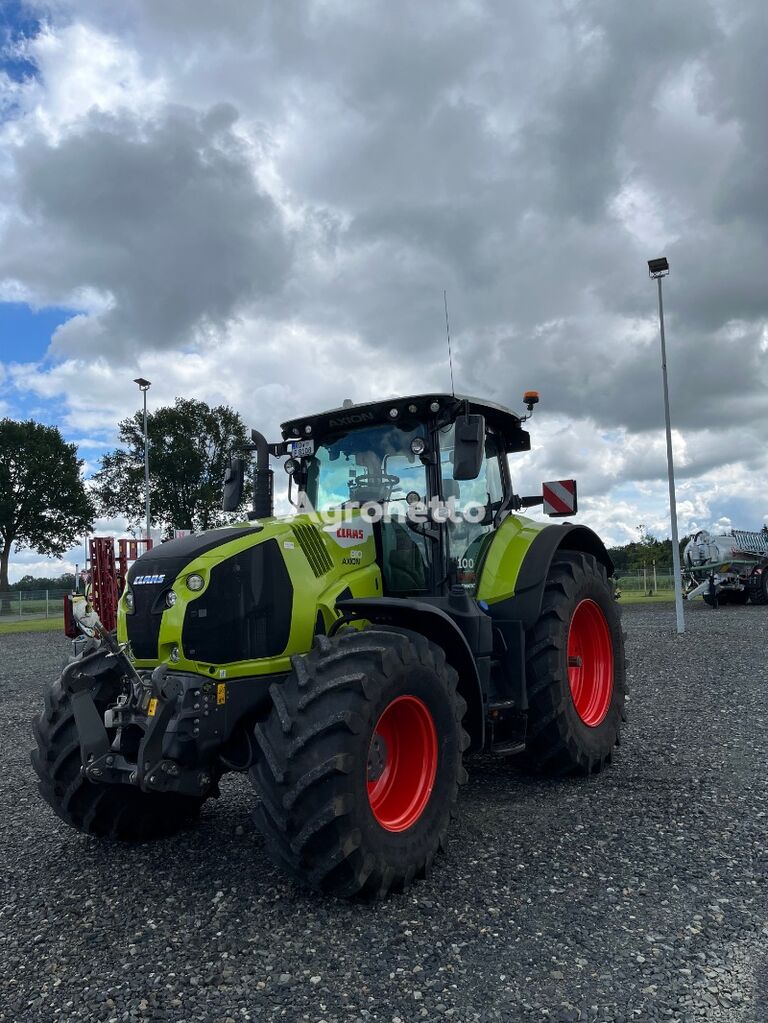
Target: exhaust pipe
x=263, y=505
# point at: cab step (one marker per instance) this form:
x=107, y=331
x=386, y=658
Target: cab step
x=507, y=725
x=508, y=748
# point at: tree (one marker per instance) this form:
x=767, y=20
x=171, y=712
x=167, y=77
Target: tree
x=189, y=448
x=632, y=557
x=43, y=501
x=66, y=581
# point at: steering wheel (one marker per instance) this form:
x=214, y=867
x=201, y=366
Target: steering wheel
x=377, y=486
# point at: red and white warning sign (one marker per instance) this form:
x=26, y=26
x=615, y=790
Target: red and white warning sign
x=560, y=498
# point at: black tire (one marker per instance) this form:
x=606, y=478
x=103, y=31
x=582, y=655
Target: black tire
x=314, y=771
x=711, y=601
x=758, y=586
x=739, y=597
x=108, y=811
x=559, y=739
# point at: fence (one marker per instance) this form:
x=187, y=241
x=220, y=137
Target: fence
x=32, y=603
x=637, y=583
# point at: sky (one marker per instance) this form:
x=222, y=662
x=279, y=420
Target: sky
x=261, y=204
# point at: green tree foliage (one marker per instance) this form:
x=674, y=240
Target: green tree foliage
x=44, y=582
x=642, y=553
x=189, y=448
x=43, y=501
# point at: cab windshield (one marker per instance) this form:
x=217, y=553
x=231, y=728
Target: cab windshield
x=373, y=464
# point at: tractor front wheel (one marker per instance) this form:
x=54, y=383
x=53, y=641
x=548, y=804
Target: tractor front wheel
x=575, y=672
x=107, y=811
x=361, y=760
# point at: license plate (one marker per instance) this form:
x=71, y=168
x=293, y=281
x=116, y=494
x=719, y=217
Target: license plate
x=301, y=448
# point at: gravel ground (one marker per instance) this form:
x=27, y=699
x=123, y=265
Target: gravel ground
x=639, y=894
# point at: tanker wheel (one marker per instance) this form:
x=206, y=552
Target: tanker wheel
x=575, y=671
x=737, y=597
x=107, y=811
x=361, y=761
x=758, y=586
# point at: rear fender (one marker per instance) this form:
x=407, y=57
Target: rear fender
x=534, y=560
x=440, y=629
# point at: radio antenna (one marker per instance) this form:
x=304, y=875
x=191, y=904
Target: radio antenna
x=448, y=332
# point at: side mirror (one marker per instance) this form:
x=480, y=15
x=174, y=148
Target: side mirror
x=234, y=479
x=469, y=447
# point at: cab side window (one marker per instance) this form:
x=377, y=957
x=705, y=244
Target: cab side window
x=475, y=503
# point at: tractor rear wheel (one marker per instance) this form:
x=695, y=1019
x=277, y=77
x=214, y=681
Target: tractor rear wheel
x=108, y=811
x=361, y=760
x=575, y=672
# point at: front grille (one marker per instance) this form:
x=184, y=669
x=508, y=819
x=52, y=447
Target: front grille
x=311, y=543
x=245, y=611
x=164, y=563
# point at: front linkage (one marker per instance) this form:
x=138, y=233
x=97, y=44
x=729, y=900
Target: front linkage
x=161, y=732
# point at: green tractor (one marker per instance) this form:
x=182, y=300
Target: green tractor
x=349, y=655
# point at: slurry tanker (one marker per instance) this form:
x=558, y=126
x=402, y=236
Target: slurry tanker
x=727, y=569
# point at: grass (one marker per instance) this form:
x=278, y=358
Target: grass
x=32, y=625
x=642, y=598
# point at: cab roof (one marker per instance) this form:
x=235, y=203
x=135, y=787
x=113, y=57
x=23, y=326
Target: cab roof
x=414, y=407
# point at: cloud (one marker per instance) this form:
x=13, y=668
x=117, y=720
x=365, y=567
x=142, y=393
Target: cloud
x=262, y=205
x=164, y=218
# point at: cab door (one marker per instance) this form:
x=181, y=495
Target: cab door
x=471, y=506
x=407, y=553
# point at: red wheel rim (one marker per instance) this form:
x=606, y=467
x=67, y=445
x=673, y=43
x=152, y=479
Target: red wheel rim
x=402, y=763
x=590, y=662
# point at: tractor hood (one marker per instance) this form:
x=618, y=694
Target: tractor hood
x=227, y=597
x=169, y=558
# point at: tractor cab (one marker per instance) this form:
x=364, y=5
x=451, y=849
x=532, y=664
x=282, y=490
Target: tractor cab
x=428, y=472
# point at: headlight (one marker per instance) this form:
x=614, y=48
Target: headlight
x=195, y=582
x=418, y=445
x=170, y=598
x=291, y=465
x=129, y=601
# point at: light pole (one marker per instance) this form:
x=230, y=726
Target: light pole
x=144, y=386
x=658, y=268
